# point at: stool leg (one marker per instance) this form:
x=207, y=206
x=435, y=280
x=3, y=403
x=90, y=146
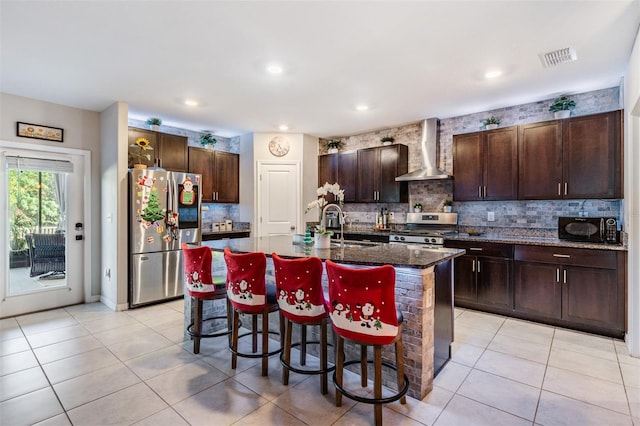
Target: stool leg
x=377, y=382
x=229, y=320
x=339, y=368
x=197, y=325
x=254, y=333
x=323, y=356
x=400, y=368
x=303, y=344
x=281, y=319
x=234, y=340
x=265, y=342
x=288, y=326
x=363, y=366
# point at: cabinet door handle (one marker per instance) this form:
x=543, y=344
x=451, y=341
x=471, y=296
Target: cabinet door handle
x=557, y=275
x=566, y=256
x=559, y=185
x=473, y=266
x=484, y=190
x=564, y=278
x=478, y=266
x=479, y=192
x=565, y=188
x=475, y=249
x=213, y=195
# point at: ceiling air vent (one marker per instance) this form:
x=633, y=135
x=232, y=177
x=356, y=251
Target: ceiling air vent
x=557, y=57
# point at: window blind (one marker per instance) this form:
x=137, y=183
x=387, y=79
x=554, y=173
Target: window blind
x=38, y=164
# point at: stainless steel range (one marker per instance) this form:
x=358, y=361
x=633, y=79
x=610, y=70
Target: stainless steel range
x=428, y=228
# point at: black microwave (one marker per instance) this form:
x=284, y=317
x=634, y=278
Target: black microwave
x=589, y=229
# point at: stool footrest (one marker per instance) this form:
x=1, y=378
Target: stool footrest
x=257, y=354
x=364, y=400
x=300, y=371
x=224, y=332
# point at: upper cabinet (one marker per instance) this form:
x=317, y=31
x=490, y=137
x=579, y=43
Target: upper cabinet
x=169, y=151
x=340, y=168
x=377, y=171
x=580, y=157
x=220, y=174
x=485, y=165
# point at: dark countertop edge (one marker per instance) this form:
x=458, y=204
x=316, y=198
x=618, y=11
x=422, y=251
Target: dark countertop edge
x=324, y=254
x=535, y=241
x=235, y=231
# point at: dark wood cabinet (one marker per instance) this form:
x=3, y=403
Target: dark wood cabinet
x=485, y=165
x=483, y=276
x=220, y=174
x=377, y=171
x=169, y=151
x=341, y=168
x=579, y=157
x=572, y=287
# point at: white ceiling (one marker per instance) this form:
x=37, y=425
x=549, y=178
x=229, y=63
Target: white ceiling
x=407, y=60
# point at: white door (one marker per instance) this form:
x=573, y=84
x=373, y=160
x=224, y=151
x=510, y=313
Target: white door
x=278, y=198
x=42, y=237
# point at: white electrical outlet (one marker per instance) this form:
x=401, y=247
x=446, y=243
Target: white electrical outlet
x=491, y=216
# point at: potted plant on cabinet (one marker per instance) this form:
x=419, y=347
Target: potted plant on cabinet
x=207, y=140
x=417, y=207
x=387, y=140
x=154, y=123
x=447, y=206
x=138, y=152
x=334, y=145
x=491, y=123
x=562, y=106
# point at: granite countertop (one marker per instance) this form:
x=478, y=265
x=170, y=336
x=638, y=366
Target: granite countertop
x=529, y=240
x=353, y=252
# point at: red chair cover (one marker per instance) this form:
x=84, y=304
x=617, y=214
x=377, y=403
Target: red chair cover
x=246, y=286
x=299, y=288
x=363, y=303
x=197, y=271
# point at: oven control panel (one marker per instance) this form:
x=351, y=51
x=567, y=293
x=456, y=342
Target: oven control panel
x=416, y=239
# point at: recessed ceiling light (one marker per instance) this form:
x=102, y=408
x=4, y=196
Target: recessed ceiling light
x=191, y=102
x=283, y=127
x=362, y=107
x=274, y=68
x=493, y=74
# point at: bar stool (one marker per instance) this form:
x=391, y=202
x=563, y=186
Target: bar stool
x=201, y=286
x=249, y=294
x=363, y=310
x=302, y=301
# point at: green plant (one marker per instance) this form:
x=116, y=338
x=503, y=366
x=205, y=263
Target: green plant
x=153, y=121
x=19, y=226
x=387, y=139
x=417, y=206
x=334, y=143
x=491, y=120
x=207, y=139
x=138, y=150
x=562, y=104
x=447, y=203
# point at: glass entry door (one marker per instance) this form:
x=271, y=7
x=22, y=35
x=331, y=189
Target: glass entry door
x=42, y=196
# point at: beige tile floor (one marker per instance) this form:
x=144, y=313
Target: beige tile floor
x=87, y=365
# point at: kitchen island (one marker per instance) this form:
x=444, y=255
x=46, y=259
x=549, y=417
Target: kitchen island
x=424, y=280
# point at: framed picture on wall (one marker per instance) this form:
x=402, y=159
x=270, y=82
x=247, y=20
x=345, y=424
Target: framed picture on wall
x=36, y=131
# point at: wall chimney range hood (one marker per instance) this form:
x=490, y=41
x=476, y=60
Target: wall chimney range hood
x=428, y=150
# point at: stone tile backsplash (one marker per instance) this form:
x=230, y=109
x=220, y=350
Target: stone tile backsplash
x=539, y=215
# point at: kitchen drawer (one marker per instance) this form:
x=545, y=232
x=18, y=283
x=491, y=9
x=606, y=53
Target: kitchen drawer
x=482, y=249
x=567, y=256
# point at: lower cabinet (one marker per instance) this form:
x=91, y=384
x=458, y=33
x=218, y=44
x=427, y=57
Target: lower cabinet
x=483, y=276
x=571, y=287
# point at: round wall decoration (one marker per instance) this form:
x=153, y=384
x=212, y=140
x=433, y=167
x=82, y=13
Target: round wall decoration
x=279, y=146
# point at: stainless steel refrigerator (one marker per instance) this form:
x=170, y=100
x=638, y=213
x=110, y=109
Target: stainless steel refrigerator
x=164, y=212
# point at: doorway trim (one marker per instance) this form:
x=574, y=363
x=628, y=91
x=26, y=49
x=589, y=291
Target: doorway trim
x=88, y=229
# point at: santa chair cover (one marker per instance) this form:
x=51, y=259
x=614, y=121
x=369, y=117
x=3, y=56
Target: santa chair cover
x=363, y=303
x=197, y=271
x=246, y=287
x=299, y=288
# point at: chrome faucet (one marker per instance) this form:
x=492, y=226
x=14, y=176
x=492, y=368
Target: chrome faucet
x=323, y=219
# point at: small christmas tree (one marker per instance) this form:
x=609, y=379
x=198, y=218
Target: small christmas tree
x=152, y=212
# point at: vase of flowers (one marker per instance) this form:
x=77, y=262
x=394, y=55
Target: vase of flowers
x=139, y=151
x=322, y=235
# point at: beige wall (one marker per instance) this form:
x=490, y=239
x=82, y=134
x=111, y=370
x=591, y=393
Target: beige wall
x=81, y=131
x=632, y=193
